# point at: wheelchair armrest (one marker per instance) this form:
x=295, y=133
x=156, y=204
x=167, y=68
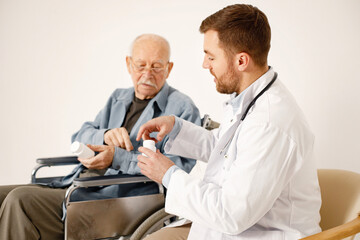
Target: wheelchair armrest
x=58, y=161
x=109, y=180
x=50, y=162
x=208, y=123
x=105, y=181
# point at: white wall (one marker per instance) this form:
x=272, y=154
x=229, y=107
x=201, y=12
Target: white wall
x=61, y=59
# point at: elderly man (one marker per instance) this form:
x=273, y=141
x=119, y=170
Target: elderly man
x=34, y=212
x=261, y=181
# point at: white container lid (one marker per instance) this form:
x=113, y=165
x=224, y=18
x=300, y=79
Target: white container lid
x=75, y=147
x=149, y=144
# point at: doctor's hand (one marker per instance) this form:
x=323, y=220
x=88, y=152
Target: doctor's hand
x=155, y=165
x=118, y=137
x=163, y=125
x=102, y=160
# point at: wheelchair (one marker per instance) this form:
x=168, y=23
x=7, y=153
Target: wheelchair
x=116, y=218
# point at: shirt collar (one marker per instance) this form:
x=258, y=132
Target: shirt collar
x=161, y=97
x=236, y=100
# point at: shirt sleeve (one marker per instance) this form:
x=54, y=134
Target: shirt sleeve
x=127, y=161
x=124, y=161
x=167, y=176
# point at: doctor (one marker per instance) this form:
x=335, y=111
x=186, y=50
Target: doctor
x=261, y=181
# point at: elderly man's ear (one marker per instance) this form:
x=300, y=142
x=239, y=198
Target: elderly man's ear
x=128, y=64
x=169, y=68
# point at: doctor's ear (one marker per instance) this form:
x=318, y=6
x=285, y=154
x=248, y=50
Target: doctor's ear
x=242, y=61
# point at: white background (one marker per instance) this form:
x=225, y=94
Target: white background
x=61, y=59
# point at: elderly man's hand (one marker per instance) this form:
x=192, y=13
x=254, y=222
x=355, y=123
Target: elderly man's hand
x=102, y=160
x=163, y=125
x=118, y=137
x=155, y=165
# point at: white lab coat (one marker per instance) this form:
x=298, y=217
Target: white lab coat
x=264, y=187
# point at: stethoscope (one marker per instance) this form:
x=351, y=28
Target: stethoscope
x=246, y=112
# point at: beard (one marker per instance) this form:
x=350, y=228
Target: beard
x=227, y=83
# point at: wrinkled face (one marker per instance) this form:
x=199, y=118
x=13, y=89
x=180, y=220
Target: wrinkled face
x=220, y=66
x=149, y=67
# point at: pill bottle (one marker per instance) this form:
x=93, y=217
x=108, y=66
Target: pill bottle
x=81, y=150
x=150, y=144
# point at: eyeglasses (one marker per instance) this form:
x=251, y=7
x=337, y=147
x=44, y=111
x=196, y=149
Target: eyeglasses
x=141, y=67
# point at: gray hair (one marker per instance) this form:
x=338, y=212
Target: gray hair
x=153, y=37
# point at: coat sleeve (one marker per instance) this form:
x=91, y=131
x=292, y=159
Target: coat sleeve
x=192, y=141
x=263, y=165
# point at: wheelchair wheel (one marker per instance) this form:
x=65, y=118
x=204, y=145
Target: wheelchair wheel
x=155, y=222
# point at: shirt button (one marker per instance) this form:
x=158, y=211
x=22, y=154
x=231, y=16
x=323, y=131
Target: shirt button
x=231, y=120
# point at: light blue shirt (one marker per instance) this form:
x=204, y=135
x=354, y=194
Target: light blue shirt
x=168, y=101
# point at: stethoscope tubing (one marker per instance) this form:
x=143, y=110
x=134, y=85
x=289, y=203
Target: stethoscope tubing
x=251, y=104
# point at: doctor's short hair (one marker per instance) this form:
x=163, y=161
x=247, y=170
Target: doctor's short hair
x=241, y=28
